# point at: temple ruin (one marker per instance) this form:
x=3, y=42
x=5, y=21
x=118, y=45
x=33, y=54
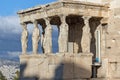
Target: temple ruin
x=88, y=41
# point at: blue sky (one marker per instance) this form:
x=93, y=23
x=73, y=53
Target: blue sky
x=10, y=7
x=10, y=29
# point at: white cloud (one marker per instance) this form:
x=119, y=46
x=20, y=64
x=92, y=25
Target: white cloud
x=10, y=24
x=16, y=53
x=13, y=54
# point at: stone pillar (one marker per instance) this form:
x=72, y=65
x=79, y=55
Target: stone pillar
x=35, y=37
x=47, y=42
x=103, y=40
x=104, y=32
x=24, y=38
x=86, y=37
x=63, y=35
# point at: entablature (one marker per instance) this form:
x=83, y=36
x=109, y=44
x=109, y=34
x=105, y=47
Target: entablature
x=64, y=8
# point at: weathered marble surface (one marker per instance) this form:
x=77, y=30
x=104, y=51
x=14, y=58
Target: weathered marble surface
x=76, y=64
x=63, y=35
x=47, y=42
x=86, y=37
x=56, y=66
x=35, y=37
x=24, y=38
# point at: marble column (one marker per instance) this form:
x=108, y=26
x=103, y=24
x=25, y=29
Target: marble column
x=103, y=39
x=104, y=32
x=86, y=36
x=24, y=38
x=47, y=42
x=63, y=35
x=35, y=37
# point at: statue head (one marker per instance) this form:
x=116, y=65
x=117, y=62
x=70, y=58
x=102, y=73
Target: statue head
x=24, y=26
x=35, y=23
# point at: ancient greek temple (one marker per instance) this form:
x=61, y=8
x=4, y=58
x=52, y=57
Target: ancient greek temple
x=82, y=42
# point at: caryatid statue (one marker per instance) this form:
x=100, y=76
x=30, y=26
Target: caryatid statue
x=35, y=37
x=24, y=38
x=63, y=35
x=47, y=42
x=86, y=37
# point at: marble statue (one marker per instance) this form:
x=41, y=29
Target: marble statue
x=47, y=43
x=24, y=38
x=63, y=35
x=86, y=37
x=35, y=37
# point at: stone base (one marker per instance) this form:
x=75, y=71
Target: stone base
x=58, y=66
x=110, y=68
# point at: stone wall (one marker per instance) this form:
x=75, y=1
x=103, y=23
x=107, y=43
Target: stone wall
x=111, y=59
x=56, y=66
x=72, y=65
